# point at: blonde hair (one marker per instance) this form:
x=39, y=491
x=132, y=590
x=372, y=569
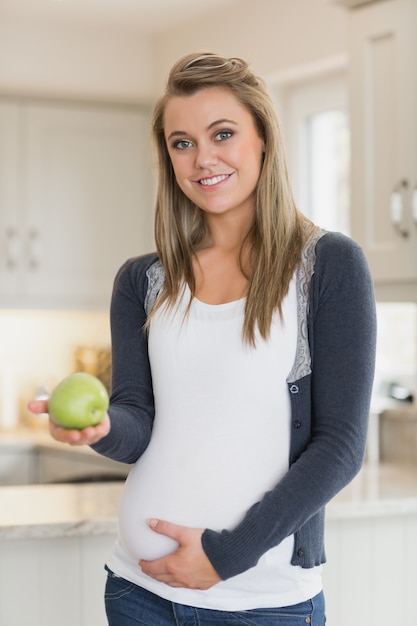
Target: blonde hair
x=279, y=230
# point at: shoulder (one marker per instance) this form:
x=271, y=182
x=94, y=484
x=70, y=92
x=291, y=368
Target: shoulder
x=337, y=254
x=341, y=276
x=133, y=275
x=137, y=266
x=333, y=244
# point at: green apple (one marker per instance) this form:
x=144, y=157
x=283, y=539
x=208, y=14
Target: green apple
x=78, y=401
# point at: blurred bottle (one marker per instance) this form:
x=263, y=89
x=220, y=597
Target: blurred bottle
x=95, y=361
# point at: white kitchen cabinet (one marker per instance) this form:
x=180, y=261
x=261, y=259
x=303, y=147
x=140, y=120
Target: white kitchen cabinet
x=76, y=200
x=56, y=581
x=383, y=86
x=9, y=201
x=370, y=577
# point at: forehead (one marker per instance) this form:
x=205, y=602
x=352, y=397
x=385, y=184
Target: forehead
x=204, y=107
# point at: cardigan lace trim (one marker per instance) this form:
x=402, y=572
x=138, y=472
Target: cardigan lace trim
x=302, y=361
x=305, y=271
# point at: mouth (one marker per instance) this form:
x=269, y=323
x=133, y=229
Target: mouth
x=213, y=180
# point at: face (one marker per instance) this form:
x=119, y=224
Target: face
x=215, y=150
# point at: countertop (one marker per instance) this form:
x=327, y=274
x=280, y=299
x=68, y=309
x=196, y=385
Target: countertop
x=66, y=510
x=380, y=489
x=45, y=511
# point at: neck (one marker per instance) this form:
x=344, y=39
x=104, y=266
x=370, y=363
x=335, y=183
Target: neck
x=226, y=232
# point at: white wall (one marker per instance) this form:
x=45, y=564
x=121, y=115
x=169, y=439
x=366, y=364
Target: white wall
x=74, y=60
x=277, y=36
x=117, y=62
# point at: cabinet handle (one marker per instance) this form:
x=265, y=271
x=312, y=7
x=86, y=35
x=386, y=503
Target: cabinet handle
x=34, y=249
x=414, y=205
x=397, y=207
x=12, y=248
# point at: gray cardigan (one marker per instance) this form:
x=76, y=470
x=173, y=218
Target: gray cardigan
x=330, y=388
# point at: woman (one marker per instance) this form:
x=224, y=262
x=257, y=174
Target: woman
x=243, y=356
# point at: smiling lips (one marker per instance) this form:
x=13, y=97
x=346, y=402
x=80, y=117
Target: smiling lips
x=214, y=180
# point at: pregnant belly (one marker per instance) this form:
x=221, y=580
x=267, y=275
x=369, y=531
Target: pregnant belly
x=147, y=494
x=188, y=477
x=180, y=486
x=168, y=491
x=190, y=487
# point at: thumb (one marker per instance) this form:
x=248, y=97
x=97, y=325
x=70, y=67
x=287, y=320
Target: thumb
x=38, y=406
x=165, y=528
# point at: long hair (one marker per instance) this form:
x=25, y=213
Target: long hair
x=279, y=230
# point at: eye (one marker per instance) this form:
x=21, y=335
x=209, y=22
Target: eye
x=223, y=134
x=182, y=144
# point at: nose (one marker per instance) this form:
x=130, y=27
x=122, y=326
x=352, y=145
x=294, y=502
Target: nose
x=206, y=155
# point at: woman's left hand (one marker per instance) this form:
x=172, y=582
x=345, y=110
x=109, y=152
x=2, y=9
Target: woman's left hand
x=188, y=566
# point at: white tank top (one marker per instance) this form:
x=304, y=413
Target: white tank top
x=220, y=440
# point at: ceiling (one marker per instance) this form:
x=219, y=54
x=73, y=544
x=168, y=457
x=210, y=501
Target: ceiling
x=147, y=15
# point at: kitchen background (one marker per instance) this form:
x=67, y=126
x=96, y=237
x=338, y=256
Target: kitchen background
x=77, y=82
x=71, y=68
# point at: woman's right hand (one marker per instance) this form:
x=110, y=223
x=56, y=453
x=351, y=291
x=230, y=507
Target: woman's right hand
x=87, y=436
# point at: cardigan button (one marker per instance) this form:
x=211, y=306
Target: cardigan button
x=297, y=424
x=293, y=389
x=300, y=552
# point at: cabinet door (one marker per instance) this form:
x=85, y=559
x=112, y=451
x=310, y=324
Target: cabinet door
x=87, y=200
x=10, y=242
x=384, y=136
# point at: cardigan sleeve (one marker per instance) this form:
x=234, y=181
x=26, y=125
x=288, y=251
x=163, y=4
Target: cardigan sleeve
x=131, y=408
x=342, y=337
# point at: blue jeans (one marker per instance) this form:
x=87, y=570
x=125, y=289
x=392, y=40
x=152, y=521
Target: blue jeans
x=130, y=605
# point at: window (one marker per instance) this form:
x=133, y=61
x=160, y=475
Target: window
x=326, y=135
x=316, y=126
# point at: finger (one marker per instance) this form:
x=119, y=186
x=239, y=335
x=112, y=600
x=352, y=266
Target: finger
x=167, y=570
x=159, y=570
x=38, y=406
x=156, y=569
x=64, y=435
x=174, y=531
x=94, y=433
x=87, y=436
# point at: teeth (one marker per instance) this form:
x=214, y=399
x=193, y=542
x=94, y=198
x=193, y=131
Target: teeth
x=213, y=181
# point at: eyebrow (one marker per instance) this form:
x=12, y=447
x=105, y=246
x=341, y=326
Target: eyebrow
x=177, y=133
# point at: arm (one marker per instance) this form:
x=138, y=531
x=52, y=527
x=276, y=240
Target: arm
x=342, y=325
x=131, y=408
x=124, y=433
